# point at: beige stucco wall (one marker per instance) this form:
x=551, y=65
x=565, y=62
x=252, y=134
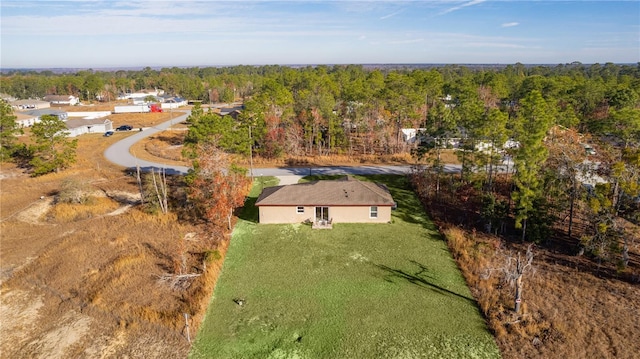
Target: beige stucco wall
x=337, y=214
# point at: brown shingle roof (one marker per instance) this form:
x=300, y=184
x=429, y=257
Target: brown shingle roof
x=343, y=192
x=58, y=97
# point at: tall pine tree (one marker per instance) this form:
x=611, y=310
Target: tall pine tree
x=532, y=123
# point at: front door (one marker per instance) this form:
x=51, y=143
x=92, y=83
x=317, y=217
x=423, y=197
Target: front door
x=322, y=213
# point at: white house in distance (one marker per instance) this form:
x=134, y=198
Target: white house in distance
x=346, y=200
x=64, y=100
x=140, y=94
x=80, y=126
x=25, y=120
x=47, y=111
x=410, y=135
x=30, y=104
x=169, y=103
x=6, y=97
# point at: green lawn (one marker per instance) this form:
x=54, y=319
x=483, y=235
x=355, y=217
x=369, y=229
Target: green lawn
x=356, y=291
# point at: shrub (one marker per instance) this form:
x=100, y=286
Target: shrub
x=74, y=191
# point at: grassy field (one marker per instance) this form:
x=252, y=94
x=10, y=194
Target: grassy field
x=356, y=291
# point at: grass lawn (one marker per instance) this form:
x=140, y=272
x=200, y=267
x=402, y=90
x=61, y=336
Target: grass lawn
x=356, y=291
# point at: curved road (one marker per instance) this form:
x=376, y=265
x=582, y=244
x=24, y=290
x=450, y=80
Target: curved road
x=119, y=154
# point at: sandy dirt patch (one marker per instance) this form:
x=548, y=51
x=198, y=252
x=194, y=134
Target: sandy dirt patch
x=124, y=197
x=33, y=214
x=19, y=311
x=70, y=330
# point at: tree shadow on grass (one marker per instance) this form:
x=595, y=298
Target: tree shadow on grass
x=409, y=208
x=420, y=278
x=249, y=212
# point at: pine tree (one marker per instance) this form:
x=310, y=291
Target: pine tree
x=53, y=150
x=8, y=130
x=533, y=121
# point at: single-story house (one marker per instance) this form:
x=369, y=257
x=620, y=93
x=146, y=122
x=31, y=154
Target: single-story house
x=89, y=114
x=6, y=97
x=30, y=104
x=25, y=120
x=234, y=112
x=69, y=100
x=345, y=200
x=80, y=126
x=141, y=94
x=47, y=111
x=170, y=102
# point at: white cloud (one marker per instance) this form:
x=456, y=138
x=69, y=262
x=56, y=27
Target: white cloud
x=510, y=24
x=458, y=7
x=390, y=15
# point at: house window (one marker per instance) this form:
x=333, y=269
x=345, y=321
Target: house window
x=373, y=212
x=300, y=209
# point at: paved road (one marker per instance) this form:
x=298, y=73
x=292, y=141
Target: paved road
x=336, y=170
x=119, y=154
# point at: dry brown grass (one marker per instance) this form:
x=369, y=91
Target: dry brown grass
x=572, y=306
x=78, y=264
x=69, y=212
x=566, y=313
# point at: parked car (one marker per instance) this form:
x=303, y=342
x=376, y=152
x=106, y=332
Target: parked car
x=108, y=133
x=124, y=128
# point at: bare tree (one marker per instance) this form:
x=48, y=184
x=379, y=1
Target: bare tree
x=139, y=180
x=154, y=190
x=160, y=186
x=514, y=270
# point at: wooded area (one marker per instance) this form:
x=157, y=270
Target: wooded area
x=574, y=129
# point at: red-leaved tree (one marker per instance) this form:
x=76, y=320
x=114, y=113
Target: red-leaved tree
x=217, y=187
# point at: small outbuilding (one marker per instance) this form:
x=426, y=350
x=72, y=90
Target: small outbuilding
x=324, y=202
x=63, y=100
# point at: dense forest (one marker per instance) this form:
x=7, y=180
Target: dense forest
x=568, y=124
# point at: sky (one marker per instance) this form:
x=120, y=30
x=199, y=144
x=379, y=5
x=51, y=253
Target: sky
x=104, y=34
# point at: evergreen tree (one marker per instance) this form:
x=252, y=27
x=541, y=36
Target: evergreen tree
x=533, y=122
x=9, y=129
x=53, y=150
x=196, y=113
